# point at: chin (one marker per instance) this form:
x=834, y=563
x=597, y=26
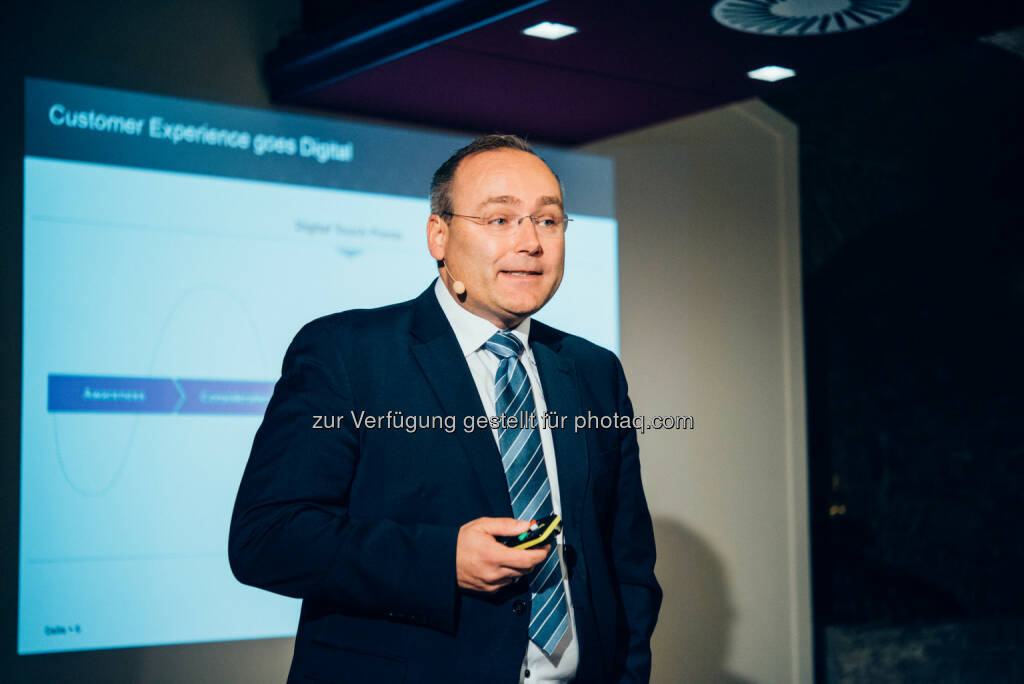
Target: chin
x=521, y=308
x=525, y=303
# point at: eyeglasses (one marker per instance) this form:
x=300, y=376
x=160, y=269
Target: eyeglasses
x=551, y=225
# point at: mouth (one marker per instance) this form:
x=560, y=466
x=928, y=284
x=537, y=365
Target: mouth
x=520, y=274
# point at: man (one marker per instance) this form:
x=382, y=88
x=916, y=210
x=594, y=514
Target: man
x=388, y=534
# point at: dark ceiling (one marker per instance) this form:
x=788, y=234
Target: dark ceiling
x=466, y=65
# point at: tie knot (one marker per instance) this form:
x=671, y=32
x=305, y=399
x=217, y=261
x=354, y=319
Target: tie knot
x=504, y=345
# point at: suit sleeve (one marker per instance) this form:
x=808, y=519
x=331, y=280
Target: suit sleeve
x=633, y=551
x=291, y=530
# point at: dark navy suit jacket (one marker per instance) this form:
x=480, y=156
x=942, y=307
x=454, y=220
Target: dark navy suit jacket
x=362, y=523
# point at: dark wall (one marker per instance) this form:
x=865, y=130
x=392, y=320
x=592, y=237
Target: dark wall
x=913, y=298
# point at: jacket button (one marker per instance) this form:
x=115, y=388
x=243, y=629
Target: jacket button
x=519, y=607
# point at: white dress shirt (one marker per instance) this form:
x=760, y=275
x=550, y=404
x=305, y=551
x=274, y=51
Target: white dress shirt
x=471, y=331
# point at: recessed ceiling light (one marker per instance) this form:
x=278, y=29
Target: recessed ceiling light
x=771, y=73
x=550, y=30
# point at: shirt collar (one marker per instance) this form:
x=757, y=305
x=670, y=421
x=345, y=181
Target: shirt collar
x=471, y=331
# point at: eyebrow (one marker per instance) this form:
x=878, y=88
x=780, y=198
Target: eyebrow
x=509, y=199
x=551, y=199
x=501, y=199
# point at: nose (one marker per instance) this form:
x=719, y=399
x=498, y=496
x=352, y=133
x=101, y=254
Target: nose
x=527, y=239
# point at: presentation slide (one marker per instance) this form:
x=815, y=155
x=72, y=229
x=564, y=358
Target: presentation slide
x=172, y=249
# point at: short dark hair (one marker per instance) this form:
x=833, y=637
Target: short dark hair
x=441, y=184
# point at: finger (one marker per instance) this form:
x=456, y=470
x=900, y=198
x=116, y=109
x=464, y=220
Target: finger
x=505, y=581
x=503, y=527
x=496, y=583
x=524, y=560
x=539, y=553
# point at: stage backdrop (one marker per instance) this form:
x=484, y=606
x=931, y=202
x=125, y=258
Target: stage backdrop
x=172, y=248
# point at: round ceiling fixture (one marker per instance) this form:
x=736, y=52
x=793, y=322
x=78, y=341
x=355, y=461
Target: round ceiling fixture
x=804, y=17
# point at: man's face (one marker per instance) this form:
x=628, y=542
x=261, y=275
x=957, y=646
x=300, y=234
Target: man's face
x=507, y=276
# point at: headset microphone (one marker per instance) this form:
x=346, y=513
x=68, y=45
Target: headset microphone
x=457, y=285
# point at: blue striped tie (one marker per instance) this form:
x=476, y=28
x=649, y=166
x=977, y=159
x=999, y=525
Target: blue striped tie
x=528, y=486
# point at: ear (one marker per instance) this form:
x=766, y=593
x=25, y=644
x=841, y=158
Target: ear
x=437, y=236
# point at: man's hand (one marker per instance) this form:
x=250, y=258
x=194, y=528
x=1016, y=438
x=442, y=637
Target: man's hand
x=482, y=563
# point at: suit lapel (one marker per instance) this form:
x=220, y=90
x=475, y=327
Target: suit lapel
x=439, y=356
x=437, y=352
x=562, y=394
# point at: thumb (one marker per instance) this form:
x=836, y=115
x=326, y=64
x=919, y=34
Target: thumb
x=504, y=527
